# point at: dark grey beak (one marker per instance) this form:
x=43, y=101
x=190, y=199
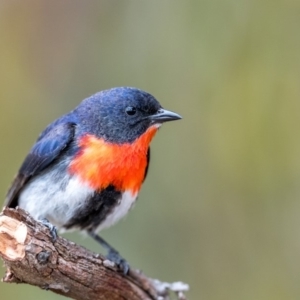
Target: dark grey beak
x=164, y=115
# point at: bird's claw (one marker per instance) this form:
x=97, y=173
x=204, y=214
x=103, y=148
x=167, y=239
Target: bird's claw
x=115, y=257
x=52, y=229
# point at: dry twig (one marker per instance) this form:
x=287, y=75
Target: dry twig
x=68, y=269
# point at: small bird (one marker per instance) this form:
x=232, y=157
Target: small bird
x=86, y=168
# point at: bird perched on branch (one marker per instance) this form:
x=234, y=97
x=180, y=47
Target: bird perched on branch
x=86, y=168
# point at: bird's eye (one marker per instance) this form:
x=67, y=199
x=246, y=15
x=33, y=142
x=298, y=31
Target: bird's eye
x=130, y=110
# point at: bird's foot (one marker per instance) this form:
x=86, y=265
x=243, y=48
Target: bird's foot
x=115, y=257
x=52, y=229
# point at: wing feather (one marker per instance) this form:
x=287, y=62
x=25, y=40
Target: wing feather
x=50, y=145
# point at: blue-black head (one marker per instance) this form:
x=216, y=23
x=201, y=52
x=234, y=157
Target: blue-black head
x=120, y=115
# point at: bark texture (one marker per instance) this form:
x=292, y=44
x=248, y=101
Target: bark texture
x=63, y=267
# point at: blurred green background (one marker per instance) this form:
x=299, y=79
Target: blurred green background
x=220, y=209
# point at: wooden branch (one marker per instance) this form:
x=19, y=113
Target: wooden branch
x=66, y=268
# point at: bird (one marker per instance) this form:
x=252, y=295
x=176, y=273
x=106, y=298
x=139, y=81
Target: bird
x=87, y=167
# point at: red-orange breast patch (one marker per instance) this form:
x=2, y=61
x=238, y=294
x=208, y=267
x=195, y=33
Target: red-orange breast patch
x=101, y=164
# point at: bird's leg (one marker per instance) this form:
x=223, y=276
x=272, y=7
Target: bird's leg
x=112, y=254
x=51, y=227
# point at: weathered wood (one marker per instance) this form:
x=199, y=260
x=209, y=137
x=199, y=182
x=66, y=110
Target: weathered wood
x=63, y=267
x=31, y=257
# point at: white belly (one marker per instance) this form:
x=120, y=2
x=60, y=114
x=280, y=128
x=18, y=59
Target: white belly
x=58, y=197
x=45, y=198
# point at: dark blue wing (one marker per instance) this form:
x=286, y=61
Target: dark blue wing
x=51, y=143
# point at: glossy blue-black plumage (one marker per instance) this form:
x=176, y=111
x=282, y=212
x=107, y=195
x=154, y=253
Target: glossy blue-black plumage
x=103, y=115
x=48, y=148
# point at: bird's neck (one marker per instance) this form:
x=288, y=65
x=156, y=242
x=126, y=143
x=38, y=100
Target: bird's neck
x=100, y=164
